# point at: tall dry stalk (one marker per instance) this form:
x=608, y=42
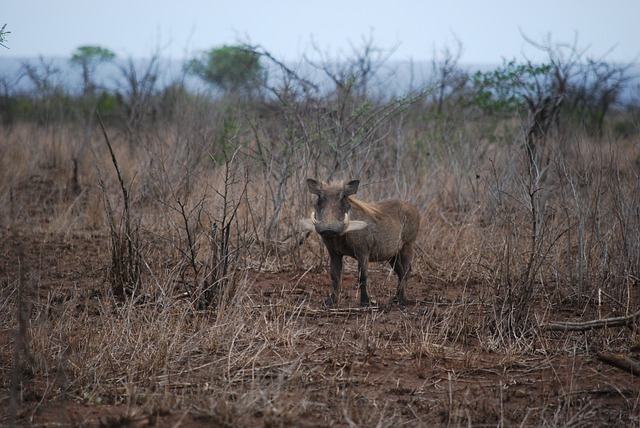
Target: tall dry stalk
x=126, y=261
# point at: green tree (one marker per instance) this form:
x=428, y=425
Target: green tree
x=538, y=90
x=88, y=58
x=231, y=68
x=511, y=87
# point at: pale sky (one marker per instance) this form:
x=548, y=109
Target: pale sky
x=489, y=30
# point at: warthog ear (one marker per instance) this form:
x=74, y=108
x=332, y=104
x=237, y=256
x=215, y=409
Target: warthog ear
x=351, y=188
x=314, y=186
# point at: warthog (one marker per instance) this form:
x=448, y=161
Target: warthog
x=380, y=231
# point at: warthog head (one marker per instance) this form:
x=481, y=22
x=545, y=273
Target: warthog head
x=330, y=217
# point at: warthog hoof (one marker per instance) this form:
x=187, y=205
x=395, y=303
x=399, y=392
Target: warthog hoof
x=366, y=303
x=399, y=300
x=330, y=302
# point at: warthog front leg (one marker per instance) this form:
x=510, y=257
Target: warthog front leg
x=336, y=279
x=362, y=282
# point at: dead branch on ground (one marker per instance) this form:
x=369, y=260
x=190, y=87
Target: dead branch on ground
x=623, y=363
x=591, y=325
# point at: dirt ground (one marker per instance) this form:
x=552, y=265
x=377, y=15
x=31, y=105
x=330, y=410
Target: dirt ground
x=386, y=366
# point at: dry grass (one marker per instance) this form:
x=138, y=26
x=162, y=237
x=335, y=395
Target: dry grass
x=224, y=327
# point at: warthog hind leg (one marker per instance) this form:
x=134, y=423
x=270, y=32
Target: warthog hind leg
x=401, y=264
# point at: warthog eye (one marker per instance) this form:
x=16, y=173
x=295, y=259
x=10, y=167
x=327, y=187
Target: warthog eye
x=346, y=204
x=321, y=202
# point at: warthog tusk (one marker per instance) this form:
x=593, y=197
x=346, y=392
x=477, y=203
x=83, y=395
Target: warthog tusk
x=351, y=225
x=309, y=223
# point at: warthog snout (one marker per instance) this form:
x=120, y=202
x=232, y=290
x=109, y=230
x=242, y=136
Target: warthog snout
x=382, y=231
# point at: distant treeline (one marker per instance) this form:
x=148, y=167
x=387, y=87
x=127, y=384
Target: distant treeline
x=133, y=93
